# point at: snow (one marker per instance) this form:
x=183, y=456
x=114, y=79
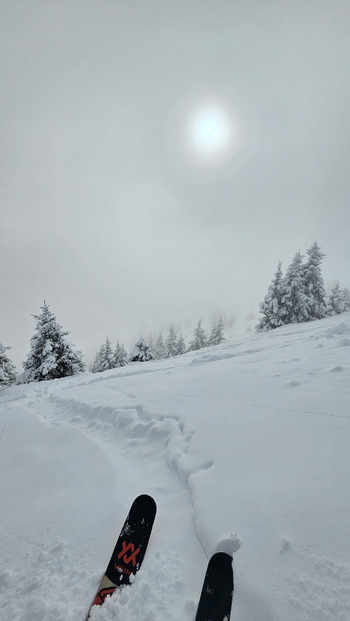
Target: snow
x=245, y=448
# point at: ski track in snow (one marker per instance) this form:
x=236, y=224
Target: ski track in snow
x=235, y=442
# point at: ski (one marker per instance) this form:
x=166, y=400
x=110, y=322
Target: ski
x=129, y=550
x=217, y=592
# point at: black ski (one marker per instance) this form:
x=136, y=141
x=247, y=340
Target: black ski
x=129, y=550
x=216, y=597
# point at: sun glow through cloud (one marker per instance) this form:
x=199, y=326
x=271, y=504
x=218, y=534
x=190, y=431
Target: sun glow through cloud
x=204, y=133
x=210, y=130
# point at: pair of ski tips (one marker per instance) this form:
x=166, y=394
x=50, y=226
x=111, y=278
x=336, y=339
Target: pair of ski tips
x=216, y=596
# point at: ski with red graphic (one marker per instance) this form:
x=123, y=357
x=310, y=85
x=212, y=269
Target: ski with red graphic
x=129, y=550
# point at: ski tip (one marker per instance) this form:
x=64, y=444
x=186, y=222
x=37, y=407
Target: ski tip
x=217, y=591
x=221, y=564
x=222, y=556
x=145, y=500
x=222, y=560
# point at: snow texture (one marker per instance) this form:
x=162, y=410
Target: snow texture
x=245, y=448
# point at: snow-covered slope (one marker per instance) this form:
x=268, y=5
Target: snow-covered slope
x=245, y=448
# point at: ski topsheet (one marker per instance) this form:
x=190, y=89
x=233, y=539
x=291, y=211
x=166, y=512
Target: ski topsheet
x=216, y=597
x=129, y=550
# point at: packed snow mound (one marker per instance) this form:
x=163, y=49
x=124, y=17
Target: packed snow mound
x=245, y=448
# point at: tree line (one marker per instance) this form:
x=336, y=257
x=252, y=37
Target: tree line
x=156, y=349
x=53, y=356
x=300, y=294
x=295, y=297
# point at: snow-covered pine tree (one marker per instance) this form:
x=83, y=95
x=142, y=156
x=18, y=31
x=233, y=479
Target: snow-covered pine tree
x=51, y=356
x=159, y=349
x=171, y=343
x=345, y=294
x=141, y=352
x=7, y=367
x=335, y=304
x=95, y=366
x=200, y=338
x=273, y=306
x=314, y=284
x=217, y=333
x=120, y=356
x=180, y=345
x=297, y=305
x=104, y=358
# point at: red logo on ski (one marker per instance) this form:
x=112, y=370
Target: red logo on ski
x=129, y=559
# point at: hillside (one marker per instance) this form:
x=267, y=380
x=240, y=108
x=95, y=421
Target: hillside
x=245, y=448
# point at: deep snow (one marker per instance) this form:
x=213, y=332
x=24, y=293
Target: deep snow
x=245, y=448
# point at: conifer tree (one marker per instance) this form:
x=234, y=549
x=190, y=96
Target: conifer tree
x=171, y=343
x=141, y=352
x=273, y=307
x=7, y=368
x=314, y=284
x=51, y=356
x=180, y=345
x=217, y=333
x=159, y=349
x=95, y=367
x=199, y=338
x=335, y=303
x=151, y=345
x=104, y=358
x=297, y=305
x=345, y=294
x=120, y=356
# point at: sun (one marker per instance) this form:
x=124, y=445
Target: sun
x=210, y=130
x=205, y=133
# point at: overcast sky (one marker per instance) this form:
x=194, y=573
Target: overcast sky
x=158, y=158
